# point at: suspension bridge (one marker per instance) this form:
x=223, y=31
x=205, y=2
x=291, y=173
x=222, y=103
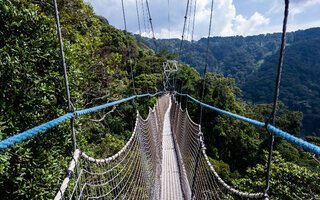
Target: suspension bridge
x=165, y=157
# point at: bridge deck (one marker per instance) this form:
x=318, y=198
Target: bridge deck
x=170, y=176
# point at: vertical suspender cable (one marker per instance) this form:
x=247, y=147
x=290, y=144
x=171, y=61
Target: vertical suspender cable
x=194, y=18
x=200, y=145
x=280, y=62
x=129, y=54
x=192, y=32
x=189, y=20
x=145, y=29
x=62, y=54
x=144, y=18
x=150, y=20
x=206, y=63
x=169, y=26
x=187, y=37
x=276, y=96
x=145, y=76
x=182, y=36
x=70, y=105
x=138, y=17
x=153, y=34
x=184, y=27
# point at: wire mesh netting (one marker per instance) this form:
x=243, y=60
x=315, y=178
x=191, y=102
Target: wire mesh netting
x=132, y=173
x=199, y=178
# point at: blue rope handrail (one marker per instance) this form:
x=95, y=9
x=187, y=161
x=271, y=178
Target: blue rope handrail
x=287, y=136
x=41, y=128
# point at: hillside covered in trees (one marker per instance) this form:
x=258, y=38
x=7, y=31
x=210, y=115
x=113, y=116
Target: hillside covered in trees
x=252, y=62
x=32, y=92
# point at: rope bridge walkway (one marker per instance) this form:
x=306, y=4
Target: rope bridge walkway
x=160, y=161
x=170, y=176
x=165, y=158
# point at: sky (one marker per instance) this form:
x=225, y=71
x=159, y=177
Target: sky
x=230, y=17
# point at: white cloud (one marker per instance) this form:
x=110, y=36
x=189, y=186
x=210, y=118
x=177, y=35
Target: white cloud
x=164, y=33
x=226, y=22
x=250, y=26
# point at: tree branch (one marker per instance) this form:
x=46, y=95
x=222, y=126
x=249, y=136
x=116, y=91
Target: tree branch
x=297, y=196
x=104, y=116
x=314, y=157
x=98, y=98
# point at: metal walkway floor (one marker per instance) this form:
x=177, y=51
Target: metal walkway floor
x=170, y=176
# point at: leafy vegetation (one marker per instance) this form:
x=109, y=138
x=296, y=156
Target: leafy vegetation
x=286, y=180
x=32, y=92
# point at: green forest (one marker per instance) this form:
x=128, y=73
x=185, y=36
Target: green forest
x=252, y=62
x=33, y=92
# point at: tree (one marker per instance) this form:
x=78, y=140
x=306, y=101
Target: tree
x=288, y=180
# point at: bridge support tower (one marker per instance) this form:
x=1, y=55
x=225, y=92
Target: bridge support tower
x=169, y=67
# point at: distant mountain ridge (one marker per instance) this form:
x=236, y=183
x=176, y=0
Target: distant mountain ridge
x=252, y=61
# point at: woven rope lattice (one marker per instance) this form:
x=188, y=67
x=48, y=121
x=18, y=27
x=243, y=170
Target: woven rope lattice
x=132, y=173
x=201, y=181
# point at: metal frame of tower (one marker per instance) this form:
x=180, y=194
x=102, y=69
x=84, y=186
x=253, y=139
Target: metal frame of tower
x=168, y=67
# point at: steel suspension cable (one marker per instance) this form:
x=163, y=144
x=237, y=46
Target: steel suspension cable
x=271, y=119
x=184, y=27
x=201, y=145
x=192, y=46
x=194, y=19
x=169, y=25
x=189, y=19
x=187, y=35
x=181, y=43
x=62, y=55
x=138, y=17
x=152, y=30
x=280, y=63
x=129, y=53
x=144, y=17
x=70, y=105
x=150, y=20
x=206, y=62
